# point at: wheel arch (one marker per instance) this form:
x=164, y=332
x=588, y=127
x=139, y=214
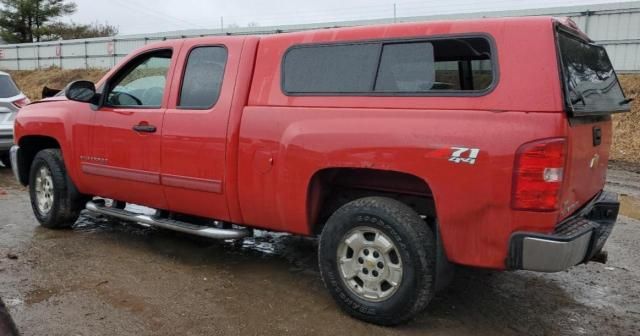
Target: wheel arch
x=30, y=145
x=330, y=188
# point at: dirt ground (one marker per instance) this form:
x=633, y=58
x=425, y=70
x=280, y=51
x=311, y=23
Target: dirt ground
x=105, y=278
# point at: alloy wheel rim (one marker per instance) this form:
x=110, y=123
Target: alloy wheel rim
x=370, y=264
x=44, y=190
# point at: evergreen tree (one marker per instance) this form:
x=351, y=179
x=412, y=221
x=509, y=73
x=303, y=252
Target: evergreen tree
x=27, y=20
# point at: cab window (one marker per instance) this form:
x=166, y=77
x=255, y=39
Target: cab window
x=142, y=82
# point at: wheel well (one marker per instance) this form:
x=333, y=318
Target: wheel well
x=29, y=147
x=331, y=188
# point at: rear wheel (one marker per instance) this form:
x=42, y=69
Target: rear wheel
x=55, y=200
x=377, y=258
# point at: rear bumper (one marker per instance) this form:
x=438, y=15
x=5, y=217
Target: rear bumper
x=574, y=241
x=6, y=140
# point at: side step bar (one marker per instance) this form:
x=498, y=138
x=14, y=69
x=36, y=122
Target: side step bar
x=198, y=230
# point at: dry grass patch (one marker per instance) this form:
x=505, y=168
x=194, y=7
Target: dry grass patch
x=626, y=126
x=32, y=82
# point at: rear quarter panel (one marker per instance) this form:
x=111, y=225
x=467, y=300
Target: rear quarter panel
x=472, y=201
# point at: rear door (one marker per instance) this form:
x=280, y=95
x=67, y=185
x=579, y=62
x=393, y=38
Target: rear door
x=592, y=94
x=194, y=133
x=125, y=156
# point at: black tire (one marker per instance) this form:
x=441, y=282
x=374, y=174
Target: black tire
x=416, y=246
x=5, y=159
x=66, y=203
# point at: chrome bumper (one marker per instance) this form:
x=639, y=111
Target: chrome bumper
x=13, y=152
x=547, y=255
x=574, y=241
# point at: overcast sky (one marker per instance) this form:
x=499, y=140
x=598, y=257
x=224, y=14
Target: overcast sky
x=140, y=16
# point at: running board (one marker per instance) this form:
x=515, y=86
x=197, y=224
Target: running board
x=198, y=230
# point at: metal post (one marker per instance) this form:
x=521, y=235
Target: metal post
x=60, y=46
x=17, y=57
x=221, y=23
x=37, y=56
x=86, y=55
x=114, y=52
x=587, y=15
x=394, y=13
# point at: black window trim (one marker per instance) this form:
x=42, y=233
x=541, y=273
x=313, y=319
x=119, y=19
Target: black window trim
x=568, y=107
x=184, y=71
x=109, y=82
x=431, y=93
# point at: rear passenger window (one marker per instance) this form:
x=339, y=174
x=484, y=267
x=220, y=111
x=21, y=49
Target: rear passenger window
x=432, y=67
x=203, y=77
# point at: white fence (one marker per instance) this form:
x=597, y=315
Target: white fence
x=616, y=26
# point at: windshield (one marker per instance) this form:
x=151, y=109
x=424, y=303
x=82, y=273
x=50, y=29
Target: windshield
x=590, y=81
x=7, y=87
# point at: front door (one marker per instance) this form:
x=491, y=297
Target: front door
x=125, y=161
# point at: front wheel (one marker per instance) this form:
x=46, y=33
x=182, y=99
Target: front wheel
x=55, y=200
x=377, y=258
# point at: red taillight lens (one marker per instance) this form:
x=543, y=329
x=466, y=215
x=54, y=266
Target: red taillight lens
x=538, y=175
x=21, y=102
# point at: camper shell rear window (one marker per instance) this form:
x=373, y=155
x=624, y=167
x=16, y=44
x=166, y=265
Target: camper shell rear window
x=590, y=83
x=441, y=66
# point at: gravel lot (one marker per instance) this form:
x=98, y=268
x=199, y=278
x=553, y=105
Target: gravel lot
x=109, y=278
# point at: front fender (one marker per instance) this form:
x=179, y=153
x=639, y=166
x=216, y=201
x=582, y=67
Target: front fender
x=67, y=123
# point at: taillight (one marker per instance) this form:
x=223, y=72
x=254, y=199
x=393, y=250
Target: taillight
x=21, y=102
x=538, y=174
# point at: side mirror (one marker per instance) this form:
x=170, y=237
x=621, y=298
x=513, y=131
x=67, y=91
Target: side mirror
x=81, y=91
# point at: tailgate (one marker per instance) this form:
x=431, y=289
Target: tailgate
x=586, y=163
x=592, y=93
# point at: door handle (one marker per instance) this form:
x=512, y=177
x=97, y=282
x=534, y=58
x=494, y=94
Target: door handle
x=144, y=127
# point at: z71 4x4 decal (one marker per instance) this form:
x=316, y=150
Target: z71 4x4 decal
x=464, y=155
x=456, y=154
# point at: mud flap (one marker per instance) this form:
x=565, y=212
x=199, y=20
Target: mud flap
x=444, y=268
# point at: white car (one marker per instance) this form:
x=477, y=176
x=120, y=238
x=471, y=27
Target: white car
x=11, y=100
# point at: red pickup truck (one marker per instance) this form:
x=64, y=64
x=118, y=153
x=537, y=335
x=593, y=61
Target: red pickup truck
x=406, y=148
